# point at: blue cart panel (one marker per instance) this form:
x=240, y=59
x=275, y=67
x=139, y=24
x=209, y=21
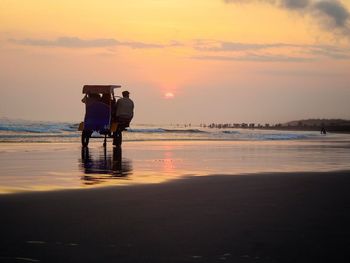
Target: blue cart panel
x=97, y=117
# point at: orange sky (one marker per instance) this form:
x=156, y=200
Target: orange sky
x=220, y=60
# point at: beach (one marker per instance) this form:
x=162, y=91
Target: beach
x=175, y=200
x=272, y=217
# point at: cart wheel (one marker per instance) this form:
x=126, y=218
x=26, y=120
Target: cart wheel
x=85, y=136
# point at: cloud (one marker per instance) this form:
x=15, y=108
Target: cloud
x=328, y=51
x=335, y=12
x=141, y=45
x=302, y=73
x=255, y=57
x=268, y=52
x=75, y=42
x=329, y=13
x=295, y=4
x=236, y=46
x=71, y=42
x=292, y=4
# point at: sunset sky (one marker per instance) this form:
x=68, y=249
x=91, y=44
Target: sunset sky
x=182, y=60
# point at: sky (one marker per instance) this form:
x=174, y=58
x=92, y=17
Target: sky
x=183, y=61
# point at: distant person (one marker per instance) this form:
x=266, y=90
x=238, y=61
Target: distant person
x=124, y=109
x=323, y=130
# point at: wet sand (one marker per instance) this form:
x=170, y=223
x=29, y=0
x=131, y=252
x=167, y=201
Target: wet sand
x=271, y=217
x=62, y=166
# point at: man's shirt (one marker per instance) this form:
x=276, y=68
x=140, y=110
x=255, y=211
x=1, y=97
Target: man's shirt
x=125, y=107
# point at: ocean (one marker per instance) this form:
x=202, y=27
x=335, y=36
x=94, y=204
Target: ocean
x=31, y=131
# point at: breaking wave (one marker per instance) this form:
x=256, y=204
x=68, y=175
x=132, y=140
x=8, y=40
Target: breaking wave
x=31, y=131
x=37, y=127
x=161, y=130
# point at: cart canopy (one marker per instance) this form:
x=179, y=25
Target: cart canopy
x=104, y=89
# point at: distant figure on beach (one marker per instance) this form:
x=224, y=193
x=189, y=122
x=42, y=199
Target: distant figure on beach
x=124, y=109
x=323, y=130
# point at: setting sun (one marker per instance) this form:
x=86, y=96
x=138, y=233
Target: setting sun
x=169, y=95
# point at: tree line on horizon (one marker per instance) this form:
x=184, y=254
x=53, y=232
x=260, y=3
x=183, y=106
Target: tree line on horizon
x=338, y=125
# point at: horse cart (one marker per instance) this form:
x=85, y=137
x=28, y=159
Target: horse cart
x=99, y=114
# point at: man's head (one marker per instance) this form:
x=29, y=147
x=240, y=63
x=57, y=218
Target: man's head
x=125, y=94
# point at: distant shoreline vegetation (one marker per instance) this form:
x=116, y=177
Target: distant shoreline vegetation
x=331, y=125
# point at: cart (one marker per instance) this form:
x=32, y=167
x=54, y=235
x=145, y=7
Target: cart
x=99, y=105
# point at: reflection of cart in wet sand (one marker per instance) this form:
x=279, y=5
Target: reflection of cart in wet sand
x=100, y=102
x=103, y=166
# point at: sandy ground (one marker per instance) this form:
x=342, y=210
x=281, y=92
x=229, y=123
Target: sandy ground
x=272, y=217
x=62, y=166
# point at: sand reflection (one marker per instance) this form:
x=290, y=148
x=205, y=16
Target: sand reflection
x=104, y=166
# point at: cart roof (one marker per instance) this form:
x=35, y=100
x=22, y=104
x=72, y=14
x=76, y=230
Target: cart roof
x=107, y=89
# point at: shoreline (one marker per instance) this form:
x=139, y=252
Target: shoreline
x=268, y=217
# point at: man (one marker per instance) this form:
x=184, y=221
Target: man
x=124, y=108
x=123, y=112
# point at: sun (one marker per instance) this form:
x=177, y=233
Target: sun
x=169, y=95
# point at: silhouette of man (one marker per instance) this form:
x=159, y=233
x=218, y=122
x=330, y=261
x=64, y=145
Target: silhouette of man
x=124, y=109
x=124, y=112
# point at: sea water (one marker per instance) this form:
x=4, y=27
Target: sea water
x=29, y=131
